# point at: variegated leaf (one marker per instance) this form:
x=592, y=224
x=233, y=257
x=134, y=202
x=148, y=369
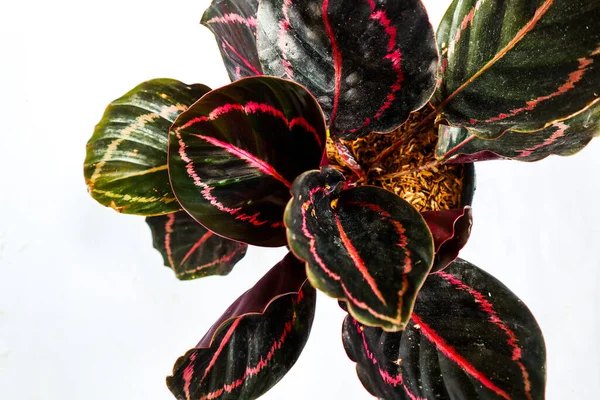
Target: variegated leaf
x=519, y=65
x=562, y=138
x=191, y=250
x=363, y=245
x=254, y=343
x=126, y=161
x=234, y=154
x=469, y=338
x=233, y=22
x=369, y=63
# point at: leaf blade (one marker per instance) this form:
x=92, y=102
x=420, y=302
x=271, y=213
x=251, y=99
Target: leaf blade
x=191, y=250
x=126, y=158
x=498, y=352
x=363, y=245
x=537, y=66
x=234, y=25
x=233, y=154
x=254, y=343
x=359, y=60
x=562, y=138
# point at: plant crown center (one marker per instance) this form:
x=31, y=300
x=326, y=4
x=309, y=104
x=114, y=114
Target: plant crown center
x=412, y=171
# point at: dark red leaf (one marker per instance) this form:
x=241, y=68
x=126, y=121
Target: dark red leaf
x=233, y=22
x=191, y=250
x=254, y=343
x=369, y=63
x=469, y=338
x=363, y=245
x=234, y=153
x=450, y=230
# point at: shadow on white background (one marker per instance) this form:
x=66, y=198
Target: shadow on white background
x=87, y=311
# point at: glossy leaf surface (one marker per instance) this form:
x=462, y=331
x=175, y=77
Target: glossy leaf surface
x=364, y=245
x=469, y=337
x=517, y=65
x=254, y=343
x=562, y=138
x=450, y=230
x=191, y=250
x=234, y=154
x=369, y=63
x=126, y=160
x=233, y=22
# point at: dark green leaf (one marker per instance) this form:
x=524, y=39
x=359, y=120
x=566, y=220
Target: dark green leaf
x=126, y=161
x=368, y=63
x=234, y=154
x=233, y=23
x=191, y=250
x=254, y=343
x=518, y=64
x=364, y=245
x=469, y=338
x=563, y=138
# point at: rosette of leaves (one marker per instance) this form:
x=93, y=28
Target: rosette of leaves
x=217, y=170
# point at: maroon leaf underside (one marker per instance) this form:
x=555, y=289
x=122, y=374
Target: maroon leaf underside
x=235, y=152
x=254, y=343
x=233, y=22
x=563, y=138
x=469, y=338
x=363, y=245
x=191, y=250
x=368, y=63
x=450, y=230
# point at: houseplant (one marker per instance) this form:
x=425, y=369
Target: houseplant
x=315, y=227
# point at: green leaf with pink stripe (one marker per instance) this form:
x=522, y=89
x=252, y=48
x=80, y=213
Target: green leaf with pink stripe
x=563, y=138
x=369, y=63
x=191, y=250
x=518, y=65
x=364, y=245
x=125, y=166
x=235, y=152
x=254, y=343
x=233, y=22
x=469, y=337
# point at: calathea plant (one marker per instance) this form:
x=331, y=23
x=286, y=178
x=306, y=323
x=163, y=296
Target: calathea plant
x=348, y=135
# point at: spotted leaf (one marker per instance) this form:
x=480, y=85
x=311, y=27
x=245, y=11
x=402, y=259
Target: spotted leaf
x=369, y=63
x=518, y=65
x=126, y=160
x=450, y=230
x=234, y=154
x=364, y=245
x=233, y=22
x=469, y=338
x=562, y=138
x=254, y=343
x=191, y=250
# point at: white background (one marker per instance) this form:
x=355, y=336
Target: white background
x=87, y=311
